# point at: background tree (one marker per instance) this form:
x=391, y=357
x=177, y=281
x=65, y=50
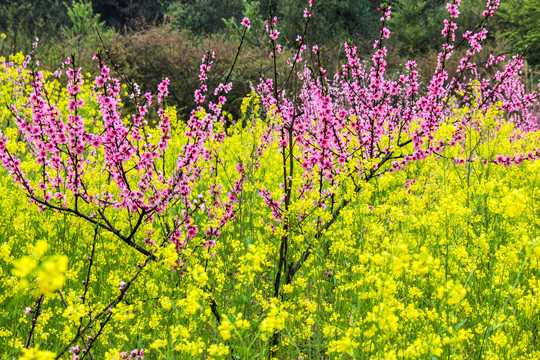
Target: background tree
x=417, y=25
x=83, y=21
x=23, y=21
x=129, y=15
x=202, y=16
x=521, y=28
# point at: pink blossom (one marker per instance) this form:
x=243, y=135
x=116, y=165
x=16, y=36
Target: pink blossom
x=274, y=35
x=453, y=10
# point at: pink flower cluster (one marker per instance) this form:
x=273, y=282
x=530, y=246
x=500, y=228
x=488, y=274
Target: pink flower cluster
x=67, y=144
x=362, y=115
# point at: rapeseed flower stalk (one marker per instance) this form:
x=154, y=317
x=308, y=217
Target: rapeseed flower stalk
x=35, y=354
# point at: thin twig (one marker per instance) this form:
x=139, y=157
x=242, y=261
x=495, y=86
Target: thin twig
x=37, y=308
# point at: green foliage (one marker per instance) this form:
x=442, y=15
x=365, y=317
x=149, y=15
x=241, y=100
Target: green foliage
x=130, y=15
x=333, y=21
x=203, y=16
x=23, y=21
x=417, y=24
x=83, y=20
x=251, y=10
x=521, y=19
